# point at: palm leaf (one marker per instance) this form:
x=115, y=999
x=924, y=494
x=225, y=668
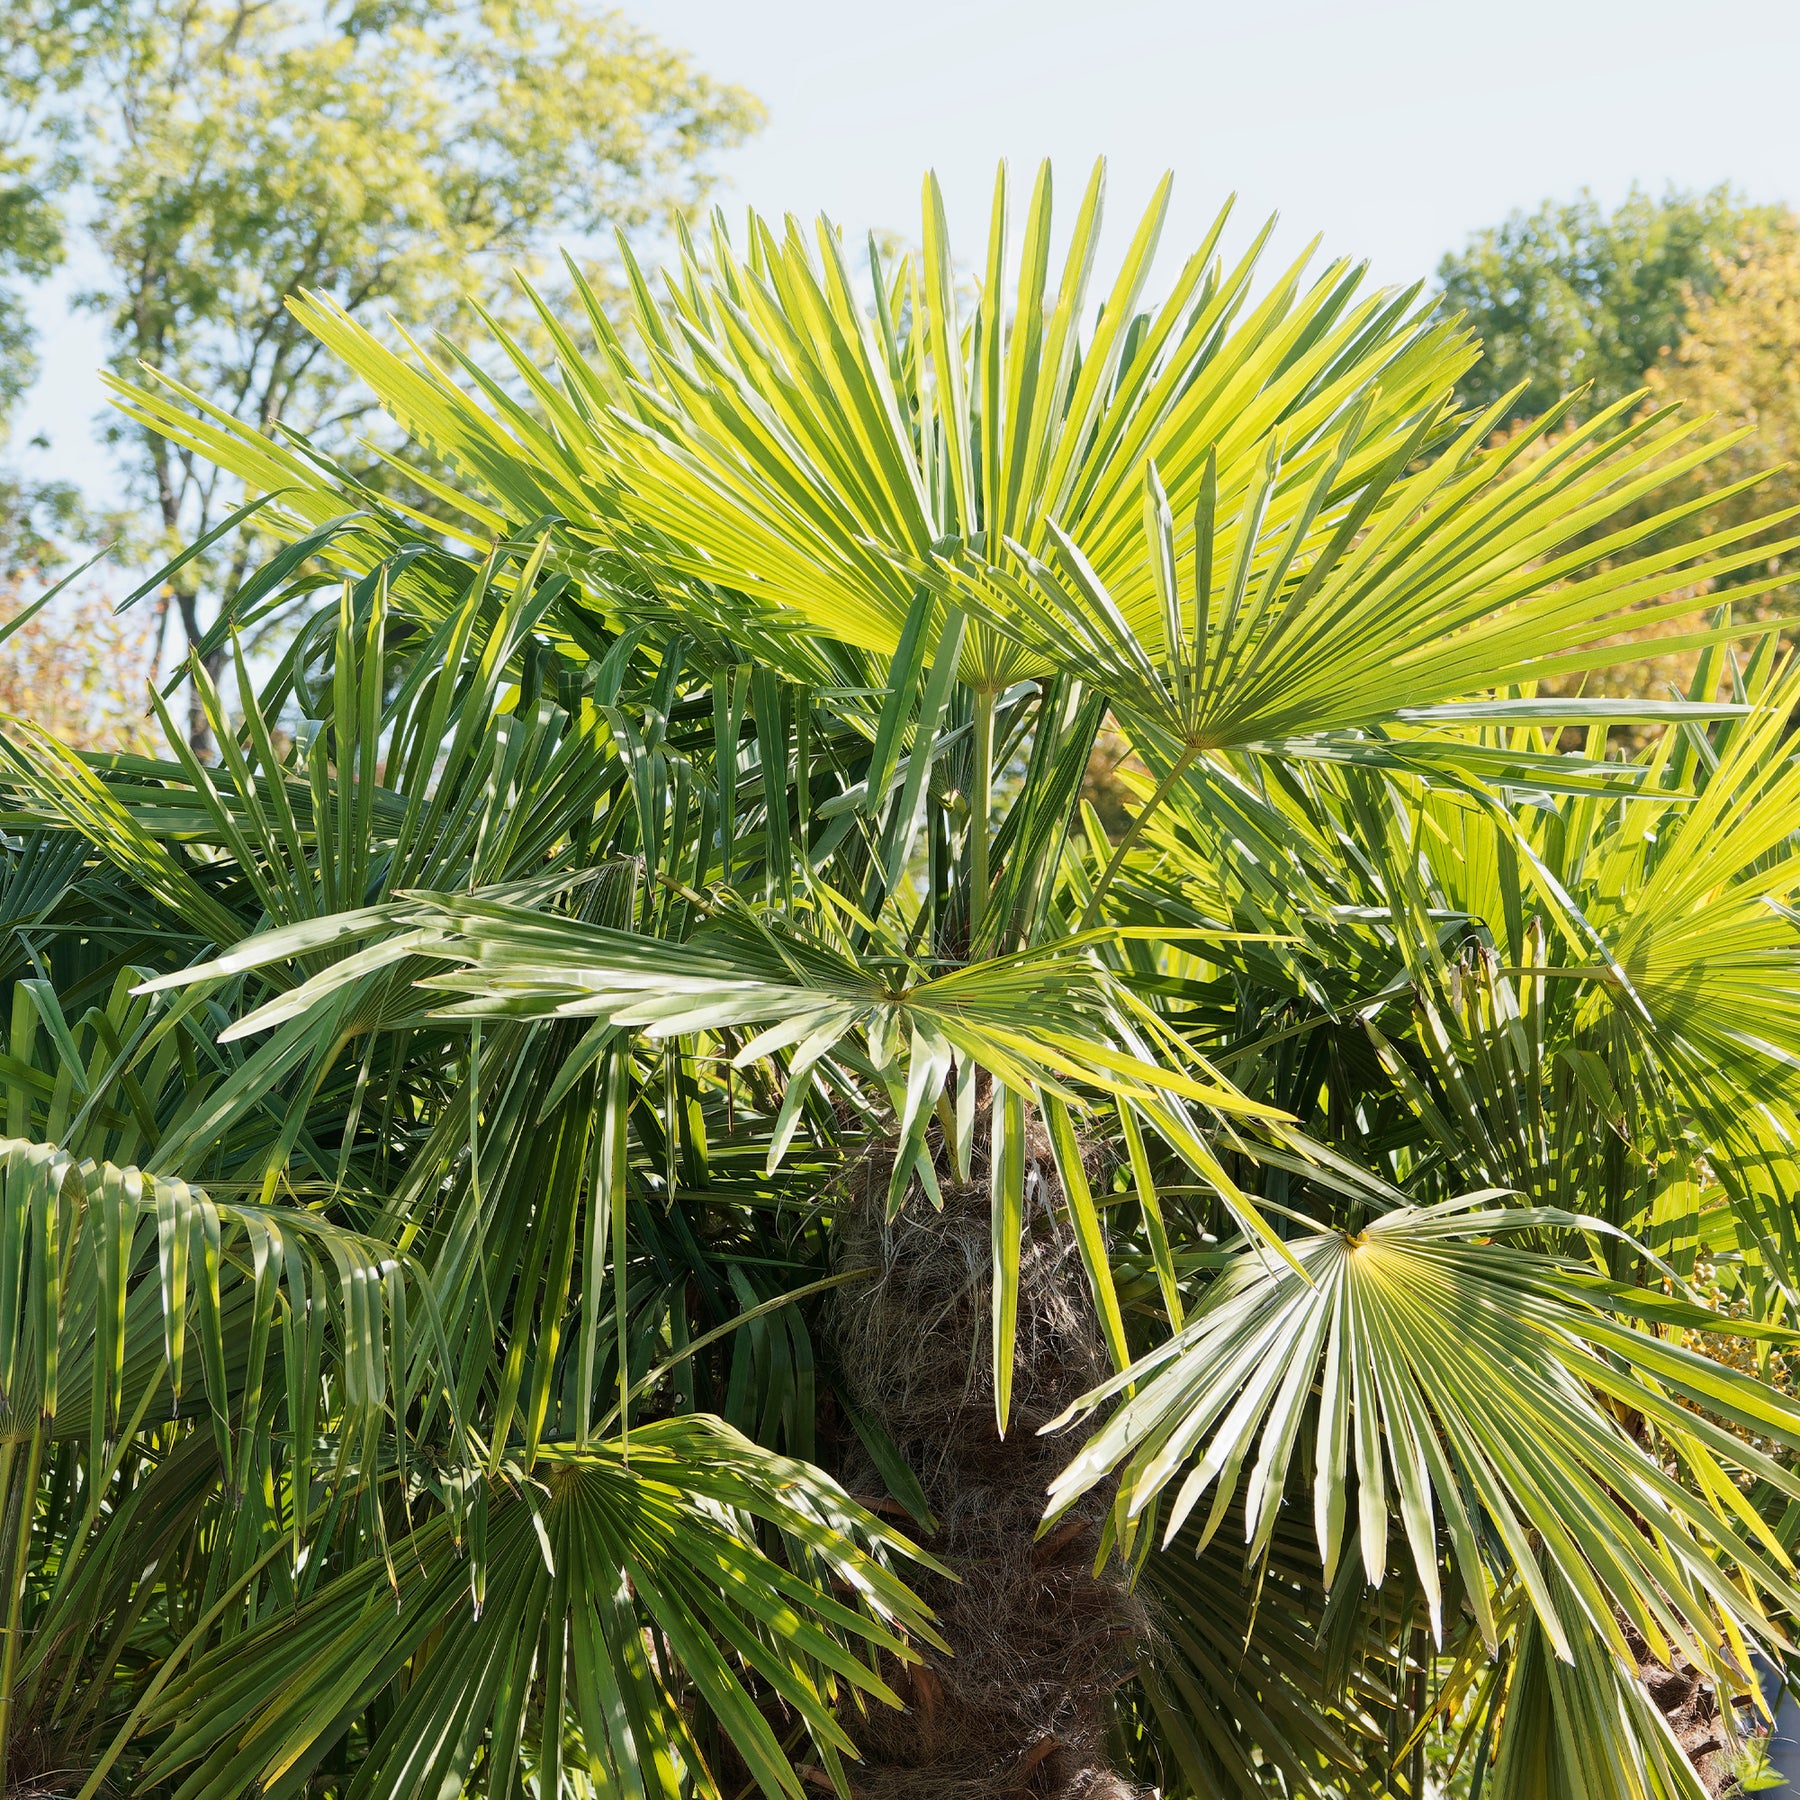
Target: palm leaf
x=1478, y=1387
x=620, y=1581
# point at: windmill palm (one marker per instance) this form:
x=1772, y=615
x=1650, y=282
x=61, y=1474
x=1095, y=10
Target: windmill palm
x=627, y=1195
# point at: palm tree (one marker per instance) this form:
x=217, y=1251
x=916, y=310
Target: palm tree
x=629, y=1196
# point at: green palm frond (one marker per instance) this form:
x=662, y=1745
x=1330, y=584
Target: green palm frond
x=1242, y=1675
x=781, y=441
x=622, y=1582
x=1581, y=1725
x=1036, y=1021
x=1476, y=571
x=1707, y=940
x=1483, y=1389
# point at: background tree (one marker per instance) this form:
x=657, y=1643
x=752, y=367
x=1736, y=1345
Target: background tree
x=34, y=65
x=231, y=154
x=1739, y=363
x=1573, y=294
x=30, y=247
x=76, y=668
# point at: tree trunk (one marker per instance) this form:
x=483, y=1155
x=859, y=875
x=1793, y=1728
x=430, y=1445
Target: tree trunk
x=1039, y=1642
x=200, y=737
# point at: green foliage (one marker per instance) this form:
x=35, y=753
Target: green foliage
x=229, y=155
x=657, y=870
x=30, y=246
x=33, y=66
x=1573, y=294
x=37, y=519
x=1738, y=362
x=34, y=516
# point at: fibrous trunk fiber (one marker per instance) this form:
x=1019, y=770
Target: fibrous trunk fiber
x=1039, y=1641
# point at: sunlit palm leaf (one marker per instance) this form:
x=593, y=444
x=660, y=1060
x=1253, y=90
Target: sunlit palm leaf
x=1478, y=1387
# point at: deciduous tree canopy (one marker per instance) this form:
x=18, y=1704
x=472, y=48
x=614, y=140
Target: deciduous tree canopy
x=221, y=155
x=1574, y=295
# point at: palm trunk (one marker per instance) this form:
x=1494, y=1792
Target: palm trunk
x=1039, y=1642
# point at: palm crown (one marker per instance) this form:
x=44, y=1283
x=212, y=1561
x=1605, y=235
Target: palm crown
x=627, y=1194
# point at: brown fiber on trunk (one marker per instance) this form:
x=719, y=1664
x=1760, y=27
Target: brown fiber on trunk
x=1691, y=1705
x=1039, y=1642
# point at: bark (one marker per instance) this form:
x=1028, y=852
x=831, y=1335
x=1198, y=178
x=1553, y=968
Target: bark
x=1691, y=1705
x=1039, y=1641
x=200, y=736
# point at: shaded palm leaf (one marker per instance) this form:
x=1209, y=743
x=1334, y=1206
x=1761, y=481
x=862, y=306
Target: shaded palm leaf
x=623, y=1582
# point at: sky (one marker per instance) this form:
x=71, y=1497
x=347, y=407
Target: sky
x=1393, y=128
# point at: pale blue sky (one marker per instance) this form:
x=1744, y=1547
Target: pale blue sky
x=1392, y=127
